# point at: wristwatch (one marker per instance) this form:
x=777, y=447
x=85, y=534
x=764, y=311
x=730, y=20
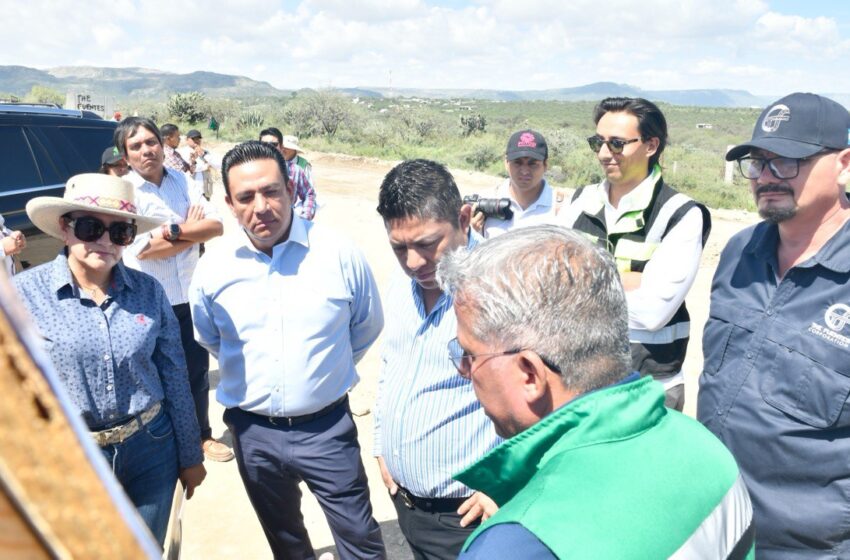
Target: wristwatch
x=171, y=232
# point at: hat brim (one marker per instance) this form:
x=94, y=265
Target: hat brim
x=524, y=153
x=45, y=211
x=780, y=146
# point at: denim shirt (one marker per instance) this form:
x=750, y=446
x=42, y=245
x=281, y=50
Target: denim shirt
x=116, y=359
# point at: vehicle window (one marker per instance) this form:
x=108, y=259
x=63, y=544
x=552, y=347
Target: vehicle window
x=18, y=169
x=79, y=148
x=50, y=174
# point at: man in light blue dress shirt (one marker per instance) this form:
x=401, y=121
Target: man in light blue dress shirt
x=428, y=423
x=288, y=310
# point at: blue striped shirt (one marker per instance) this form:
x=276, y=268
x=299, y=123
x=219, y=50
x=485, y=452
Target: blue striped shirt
x=428, y=422
x=169, y=202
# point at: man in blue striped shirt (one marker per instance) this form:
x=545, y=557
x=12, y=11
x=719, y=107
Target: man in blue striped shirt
x=428, y=423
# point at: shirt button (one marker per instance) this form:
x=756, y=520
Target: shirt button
x=720, y=413
x=111, y=416
x=749, y=355
x=105, y=357
x=109, y=387
x=769, y=311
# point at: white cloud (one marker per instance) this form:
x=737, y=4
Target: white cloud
x=504, y=44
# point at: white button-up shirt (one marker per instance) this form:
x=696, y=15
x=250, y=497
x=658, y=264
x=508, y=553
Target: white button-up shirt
x=170, y=202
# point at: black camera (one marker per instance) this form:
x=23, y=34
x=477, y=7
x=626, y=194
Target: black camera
x=491, y=207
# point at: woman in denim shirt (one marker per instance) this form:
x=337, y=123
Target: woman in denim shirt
x=115, y=342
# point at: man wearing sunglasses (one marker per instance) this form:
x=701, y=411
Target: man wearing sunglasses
x=170, y=252
x=776, y=378
x=428, y=423
x=655, y=233
x=594, y=465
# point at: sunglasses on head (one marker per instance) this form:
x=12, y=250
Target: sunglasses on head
x=615, y=145
x=89, y=228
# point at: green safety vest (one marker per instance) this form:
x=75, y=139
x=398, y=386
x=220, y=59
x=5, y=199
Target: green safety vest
x=632, y=240
x=614, y=474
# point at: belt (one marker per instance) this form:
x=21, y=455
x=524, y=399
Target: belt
x=119, y=433
x=290, y=421
x=430, y=505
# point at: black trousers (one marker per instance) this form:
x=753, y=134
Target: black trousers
x=325, y=454
x=432, y=535
x=198, y=362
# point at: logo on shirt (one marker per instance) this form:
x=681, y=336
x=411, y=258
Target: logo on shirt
x=777, y=115
x=140, y=319
x=836, y=318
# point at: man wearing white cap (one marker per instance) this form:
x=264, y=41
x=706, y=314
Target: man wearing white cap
x=299, y=170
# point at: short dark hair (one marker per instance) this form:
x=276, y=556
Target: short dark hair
x=651, y=121
x=272, y=131
x=128, y=127
x=250, y=151
x=420, y=188
x=168, y=129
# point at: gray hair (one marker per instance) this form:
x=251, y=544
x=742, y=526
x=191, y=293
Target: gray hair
x=548, y=289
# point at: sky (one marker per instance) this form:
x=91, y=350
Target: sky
x=762, y=46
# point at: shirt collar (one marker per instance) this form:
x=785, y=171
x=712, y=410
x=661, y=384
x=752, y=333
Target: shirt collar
x=298, y=233
x=60, y=276
x=473, y=238
x=544, y=199
x=834, y=255
x=639, y=197
x=138, y=181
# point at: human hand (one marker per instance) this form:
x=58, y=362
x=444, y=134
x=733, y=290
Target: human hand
x=385, y=475
x=630, y=280
x=192, y=477
x=477, y=221
x=196, y=213
x=14, y=243
x=477, y=505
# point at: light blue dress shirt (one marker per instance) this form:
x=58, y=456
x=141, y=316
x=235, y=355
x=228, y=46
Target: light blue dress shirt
x=286, y=329
x=428, y=422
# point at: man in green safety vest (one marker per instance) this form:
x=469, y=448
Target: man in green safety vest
x=594, y=465
x=655, y=233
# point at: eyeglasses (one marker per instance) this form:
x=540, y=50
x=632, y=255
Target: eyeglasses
x=274, y=143
x=615, y=145
x=89, y=228
x=463, y=361
x=781, y=167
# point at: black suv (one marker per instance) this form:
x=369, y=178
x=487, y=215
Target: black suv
x=40, y=148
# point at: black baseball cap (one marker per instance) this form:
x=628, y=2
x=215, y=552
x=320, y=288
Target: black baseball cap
x=798, y=126
x=527, y=143
x=110, y=156
x=194, y=133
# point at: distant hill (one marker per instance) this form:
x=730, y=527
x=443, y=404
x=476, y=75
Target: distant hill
x=124, y=83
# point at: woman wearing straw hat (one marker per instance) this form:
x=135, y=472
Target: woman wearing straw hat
x=115, y=342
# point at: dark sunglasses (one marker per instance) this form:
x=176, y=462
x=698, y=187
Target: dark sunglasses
x=89, y=228
x=275, y=144
x=615, y=145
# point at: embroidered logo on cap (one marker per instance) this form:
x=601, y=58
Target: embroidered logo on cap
x=526, y=140
x=777, y=115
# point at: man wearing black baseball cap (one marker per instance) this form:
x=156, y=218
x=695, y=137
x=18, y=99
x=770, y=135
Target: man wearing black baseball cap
x=113, y=163
x=532, y=200
x=776, y=373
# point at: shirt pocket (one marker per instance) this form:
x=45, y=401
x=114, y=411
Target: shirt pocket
x=807, y=378
x=723, y=321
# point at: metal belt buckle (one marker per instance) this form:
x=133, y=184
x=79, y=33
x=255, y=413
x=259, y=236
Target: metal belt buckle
x=406, y=498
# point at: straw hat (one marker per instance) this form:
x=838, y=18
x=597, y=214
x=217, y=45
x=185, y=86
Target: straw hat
x=291, y=143
x=90, y=192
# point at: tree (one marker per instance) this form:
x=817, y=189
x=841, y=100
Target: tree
x=188, y=107
x=472, y=124
x=322, y=112
x=44, y=94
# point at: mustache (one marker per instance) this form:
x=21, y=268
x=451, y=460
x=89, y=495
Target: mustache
x=762, y=189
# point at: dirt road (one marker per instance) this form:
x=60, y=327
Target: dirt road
x=219, y=521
